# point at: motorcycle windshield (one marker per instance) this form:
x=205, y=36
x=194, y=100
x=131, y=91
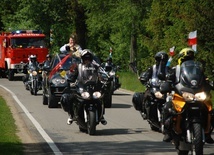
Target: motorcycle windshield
x=192, y=74
x=88, y=74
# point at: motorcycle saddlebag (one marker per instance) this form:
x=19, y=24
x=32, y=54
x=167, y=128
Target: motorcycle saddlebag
x=137, y=100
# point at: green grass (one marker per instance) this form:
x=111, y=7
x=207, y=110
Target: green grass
x=10, y=144
x=130, y=82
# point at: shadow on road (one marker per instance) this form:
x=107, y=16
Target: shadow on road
x=139, y=147
x=122, y=131
x=122, y=94
x=103, y=148
x=120, y=105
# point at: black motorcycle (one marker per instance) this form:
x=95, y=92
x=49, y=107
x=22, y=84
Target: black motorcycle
x=114, y=84
x=150, y=103
x=87, y=103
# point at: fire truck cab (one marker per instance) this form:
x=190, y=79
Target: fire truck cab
x=15, y=49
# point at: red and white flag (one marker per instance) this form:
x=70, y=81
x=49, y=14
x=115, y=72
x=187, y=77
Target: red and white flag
x=192, y=39
x=172, y=51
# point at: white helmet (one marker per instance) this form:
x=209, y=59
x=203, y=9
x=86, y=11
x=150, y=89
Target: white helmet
x=32, y=58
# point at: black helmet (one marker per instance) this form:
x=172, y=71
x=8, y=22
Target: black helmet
x=186, y=54
x=86, y=54
x=161, y=56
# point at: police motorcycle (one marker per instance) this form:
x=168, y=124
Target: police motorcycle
x=190, y=112
x=87, y=101
x=34, y=83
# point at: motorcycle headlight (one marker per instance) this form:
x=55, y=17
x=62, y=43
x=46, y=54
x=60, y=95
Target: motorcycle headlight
x=188, y=96
x=57, y=81
x=201, y=96
x=112, y=73
x=34, y=73
x=96, y=95
x=158, y=94
x=198, y=97
x=85, y=95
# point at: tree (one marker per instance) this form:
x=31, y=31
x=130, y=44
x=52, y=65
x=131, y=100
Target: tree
x=169, y=23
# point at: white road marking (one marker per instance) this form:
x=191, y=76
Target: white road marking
x=50, y=142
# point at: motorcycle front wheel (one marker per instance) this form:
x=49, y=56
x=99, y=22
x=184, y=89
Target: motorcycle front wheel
x=197, y=139
x=91, y=124
x=35, y=86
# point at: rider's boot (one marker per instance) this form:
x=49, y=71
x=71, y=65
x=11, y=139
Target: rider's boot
x=70, y=120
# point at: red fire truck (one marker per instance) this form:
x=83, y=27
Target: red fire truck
x=15, y=49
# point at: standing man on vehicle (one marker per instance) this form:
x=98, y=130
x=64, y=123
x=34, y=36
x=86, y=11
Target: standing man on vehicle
x=72, y=47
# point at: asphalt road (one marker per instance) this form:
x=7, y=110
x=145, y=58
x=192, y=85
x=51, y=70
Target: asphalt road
x=125, y=133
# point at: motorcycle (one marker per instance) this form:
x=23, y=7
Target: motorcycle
x=191, y=111
x=34, y=83
x=114, y=84
x=150, y=103
x=88, y=103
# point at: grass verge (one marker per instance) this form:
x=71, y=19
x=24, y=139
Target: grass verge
x=10, y=143
x=130, y=82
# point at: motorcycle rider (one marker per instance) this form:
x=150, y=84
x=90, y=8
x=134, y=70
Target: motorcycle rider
x=47, y=61
x=72, y=47
x=184, y=55
x=33, y=63
x=75, y=75
x=155, y=72
x=109, y=62
x=46, y=64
